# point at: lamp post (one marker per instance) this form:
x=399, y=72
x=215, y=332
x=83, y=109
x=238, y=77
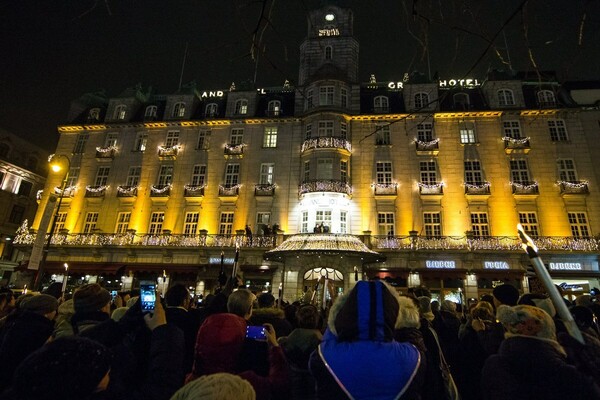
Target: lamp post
x=56, y=165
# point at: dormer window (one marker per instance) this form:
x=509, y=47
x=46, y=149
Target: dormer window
x=120, y=112
x=94, y=115
x=178, y=110
x=274, y=108
x=381, y=104
x=328, y=52
x=241, y=107
x=150, y=112
x=461, y=101
x=211, y=110
x=506, y=98
x=421, y=100
x=546, y=98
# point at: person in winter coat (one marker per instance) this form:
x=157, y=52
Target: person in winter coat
x=219, y=386
x=268, y=313
x=358, y=357
x=91, y=305
x=530, y=363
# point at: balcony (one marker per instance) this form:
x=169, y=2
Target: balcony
x=127, y=191
x=325, y=186
x=427, y=189
x=519, y=145
x=106, y=153
x=385, y=189
x=96, y=191
x=430, y=148
x=229, y=191
x=264, y=189
x=168, y=152
x=326, y=143
x=525, y=188
x=68, y=192
x=573, y=188
x=477, y=189
x=193, y=190
x=160, y=190
x=234, y=150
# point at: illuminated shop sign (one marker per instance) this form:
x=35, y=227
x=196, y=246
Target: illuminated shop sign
x=445, y=83
x=217, y=260
x=329, y=32
x=434, y=264
x=565, y=266
x=495, y=265
x=566, y=286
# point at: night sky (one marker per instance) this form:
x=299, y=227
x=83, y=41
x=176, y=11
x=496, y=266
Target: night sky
x=53, y=51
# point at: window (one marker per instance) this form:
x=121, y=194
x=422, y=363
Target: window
x=432, y=224
x=461, y=101
x=467, y=133
x=232, y=175
x=191, y=223
x=421, y=100
x=73, y=177
x=211, y=110
x=309, y=99
x=425, y=132
x=262, y=219
x=529, y=222
x=94, y=115
x=343, y=97
x=343, y=222
x=140, y=141
x=165, y=175
x=384, y=172
x=519, y=172
x=566, y=170
x=156, y=223
x=198, y=175
x=344, y=171
x=150, y=112
x=236, y=137
x=226, y=223
x=203, y=141
x=266, y=173
x=382, y=136
x=558, y=130
x=172, y=139
x=546, y=98
x=178, y=110
x=473, y=174
x=133, y=176
x=111, y=139
x=25, y=188
x=428, y=172
x=381, y=104
x=306, y=171
x=82, y=139
x=270, y=137
x=308, y=132
x=343, y=130
x=480, y=224
x=512, y=129
x=241, y=107
x=385, y=224
x=91, y=219
x=579, y=225
x=328, y=52
x=505, y=98
x=274, y=108
x=323, y=217
x=123, y=219
x=324, y=168
x=120, y=112
x=16, y=214
x=325, y=129
x=102, y=176
x=326, y=95
x=304, y=223
x=61, y=218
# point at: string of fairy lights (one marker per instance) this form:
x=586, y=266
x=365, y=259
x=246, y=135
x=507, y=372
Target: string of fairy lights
x=327, y=143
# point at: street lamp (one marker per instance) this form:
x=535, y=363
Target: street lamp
x=57, y=164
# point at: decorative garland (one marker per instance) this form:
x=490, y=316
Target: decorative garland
x=96, y=189
x=106, y=149
x=155, y=189
x=427, y=144
x=516, y=141
x=573, y=185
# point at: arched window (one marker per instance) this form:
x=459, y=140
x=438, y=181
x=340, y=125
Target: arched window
x=546, y=98
x=211, y=110
x=421, y=100
x=506, y=97
x=94, y=115
x=241, y=107
x=178, y=110
x=381, y=104
x=120, y=111
x=4, y=150
x=274, y=108
x=328, y=52
x=461, y=101
x=150, y=112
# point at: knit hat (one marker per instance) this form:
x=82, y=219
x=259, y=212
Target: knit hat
x=526, y=320
x=68, y=368
x=506, y=294
x=539, y=300
x=220, y=386
x=89, y=298
x=425, y=308
x=40, y=304
x=408, y=315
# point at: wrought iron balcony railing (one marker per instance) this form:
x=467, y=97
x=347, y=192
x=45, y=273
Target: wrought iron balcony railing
x=160, y=190
x=96, y=191
x=477, y=189
x=229, y=191
x=325, y=186
x=127, y=191
x=385, y=189
x=326, y=142
x=573, y=187
x=106, y=152
x=525, y=188
x=193, y=190
x=168, y=152
x=264, y=189
x=513, y=145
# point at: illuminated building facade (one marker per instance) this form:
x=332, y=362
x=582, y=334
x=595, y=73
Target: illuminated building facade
x=434, y=176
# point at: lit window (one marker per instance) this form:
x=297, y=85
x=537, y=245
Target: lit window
x=480, y=224
x=165, y=176
x=178, y=110
x=308, y=132
x=191, y=223
x=467, y=133
x=579, y=225
x=267, y=170
x=270, y=137
x=91, y=219
x=326, y=95
x=73, y=176
x=558, y=130
x=506, y=98
x=324, y=218
x=432, y=224
x=140, y=141
x=384, y=172
x=304, y=223
x=120, y=112
x=385, y=224
x=529, y=222
x=382, y=136
x=343, y=130
x=343, y=222
x=111, y=139
x=123, y=219
x=274, y=108
x=61, y=218
x=226, y=223
x=421, y=100
x=241, y=107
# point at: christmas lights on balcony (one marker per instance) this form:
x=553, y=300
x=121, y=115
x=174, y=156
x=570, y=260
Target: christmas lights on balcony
x=127, y=190
x=194, y=188
x=96, y=189
x=521, y=186
x=106, y=149
x=384, y=185
x=235, y=148
x=520, y=141
x=38, y=195
x=573, y=184
x=159, y=189
x=427, y=144
x=484, y=185
x=432, y=186
x=267, y=187
x=67, y=192
x=326, y=143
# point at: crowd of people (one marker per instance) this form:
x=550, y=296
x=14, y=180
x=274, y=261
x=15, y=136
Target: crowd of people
x=371, y=344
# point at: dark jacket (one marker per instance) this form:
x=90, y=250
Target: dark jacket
x=273, y=316
x=433, y=389
x=297, y=348
x=491, y=338
x=188, y=322
x=472, y=359
x=528, y=368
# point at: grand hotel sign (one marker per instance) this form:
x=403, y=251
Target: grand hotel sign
x=445, y=83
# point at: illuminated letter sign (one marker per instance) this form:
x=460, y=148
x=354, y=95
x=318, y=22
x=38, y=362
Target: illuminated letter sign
x=216, y=93
x=395, y=85
x=459, y=82
x=440, y=264
x=566, y=266
x=217, y=260
x=495, y=265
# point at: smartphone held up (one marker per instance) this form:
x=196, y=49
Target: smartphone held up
x=256, y=332
x=147, y=296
